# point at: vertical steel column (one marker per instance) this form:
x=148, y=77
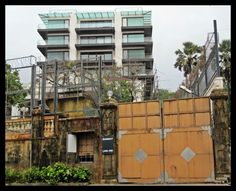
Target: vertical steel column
x=216, y=48
x=55, y=94
x=43, y=88
x=100, y=115
x=43, y=95
x=33, y=82
x=82, y=74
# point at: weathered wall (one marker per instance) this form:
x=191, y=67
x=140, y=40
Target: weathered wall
x=71, y=104
x=17, y=153
x=221, y=132
x=109, y=128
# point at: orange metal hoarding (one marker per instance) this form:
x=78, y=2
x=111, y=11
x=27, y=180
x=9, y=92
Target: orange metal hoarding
x=172, y=146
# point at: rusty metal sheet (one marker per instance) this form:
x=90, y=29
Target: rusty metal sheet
x=178, y=151
x=188, y=155
x=139, y=116
x=140, y=157
x=153, y=108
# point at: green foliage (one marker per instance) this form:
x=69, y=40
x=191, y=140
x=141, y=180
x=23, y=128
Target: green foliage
x=121, y=87
x=188, y=57
x=162, y=94
x=12, y=175
x=225, y=60
x=59, y=172
x=32, y=175
x=13, y=83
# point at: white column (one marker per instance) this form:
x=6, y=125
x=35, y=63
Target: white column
x=73, y=37
x=118, y=39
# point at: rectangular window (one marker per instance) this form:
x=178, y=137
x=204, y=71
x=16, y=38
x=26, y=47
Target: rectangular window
x=136, y=38
x=139, y=53
x=95, y=40
x=95, y=55
x=138, y=21
x=84, y=40
x=108, y=39
x=58, y=56
x=92, y=40
x=95, y=24
x=85, y=145
x=54, y=24
x=125, y=38
x=71, y=143
x=100, y=40
x=108, y=56
x=54, y=40
x=124, y=22
x=84, y=56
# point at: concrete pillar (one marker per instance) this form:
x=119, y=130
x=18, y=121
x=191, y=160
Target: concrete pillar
x=73, y=37
x=221, y=133
x=118, y=39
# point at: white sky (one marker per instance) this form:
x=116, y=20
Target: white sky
x=172, y=25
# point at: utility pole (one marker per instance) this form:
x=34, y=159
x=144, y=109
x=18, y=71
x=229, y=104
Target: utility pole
x=216, y=48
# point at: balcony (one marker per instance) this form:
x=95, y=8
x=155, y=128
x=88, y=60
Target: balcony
x=146, y=42
x=44, y=30
x=44, y=46
x=146, y=28
x=95, y=45
x=147, y=59
x=95, y=29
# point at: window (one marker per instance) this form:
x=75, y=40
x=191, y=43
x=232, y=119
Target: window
x=108, y=39
x=94, y=55
x=95, y=24
x=138, y=53
x=58, y=24
x=85, y=146
x=95, y=40
x=58, y=55
x=100, y=40
x=133, y=21
x=133, y=38
x=54, y=40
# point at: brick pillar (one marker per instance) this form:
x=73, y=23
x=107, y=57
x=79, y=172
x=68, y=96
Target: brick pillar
x=221, y=133
x=109, y=129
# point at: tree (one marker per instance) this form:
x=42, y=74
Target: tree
x=188, y=57
x=162, y=94
x=122, y=87
x=225, y=60
x=15, y=92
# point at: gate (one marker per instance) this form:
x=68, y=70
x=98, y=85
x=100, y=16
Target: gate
x=165, y=143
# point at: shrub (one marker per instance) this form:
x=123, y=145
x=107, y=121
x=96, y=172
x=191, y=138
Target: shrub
x=59, y=172
x=32, y=175
x=12, y=175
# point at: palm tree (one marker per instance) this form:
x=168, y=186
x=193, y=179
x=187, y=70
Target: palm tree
x=225, y=60
x=188, y=58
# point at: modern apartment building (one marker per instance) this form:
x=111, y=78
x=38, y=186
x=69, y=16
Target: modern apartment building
x=121, y=38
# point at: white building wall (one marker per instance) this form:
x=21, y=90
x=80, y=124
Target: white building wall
x=218, y=83
x=118, y=39
x=73, y=37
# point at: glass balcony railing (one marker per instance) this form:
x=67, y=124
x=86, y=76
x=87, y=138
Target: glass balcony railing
x=95, y=25
x=136, y=40
x=53, y=26
x=46, y=42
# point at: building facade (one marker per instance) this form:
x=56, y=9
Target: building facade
x=122, y=39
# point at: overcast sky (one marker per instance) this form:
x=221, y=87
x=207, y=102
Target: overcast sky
x=172, y=25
